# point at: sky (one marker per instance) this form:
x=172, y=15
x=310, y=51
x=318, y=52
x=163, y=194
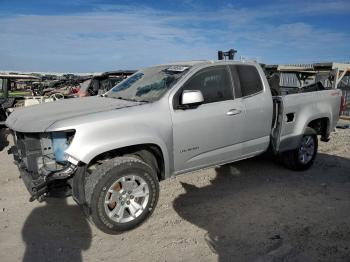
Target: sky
x=104, y=35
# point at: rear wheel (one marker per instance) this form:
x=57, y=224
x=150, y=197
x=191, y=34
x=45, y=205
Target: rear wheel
x=121, y=194
x=303, y=157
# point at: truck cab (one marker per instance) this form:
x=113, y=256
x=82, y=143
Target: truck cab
x=233, y=122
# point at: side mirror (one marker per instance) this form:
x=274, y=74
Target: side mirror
x=191, y=98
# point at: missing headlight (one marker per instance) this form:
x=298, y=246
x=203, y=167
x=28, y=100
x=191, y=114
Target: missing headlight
x=61, y=141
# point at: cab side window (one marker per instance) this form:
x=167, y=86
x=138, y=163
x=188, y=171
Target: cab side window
x=213, y=82
x=246, y=80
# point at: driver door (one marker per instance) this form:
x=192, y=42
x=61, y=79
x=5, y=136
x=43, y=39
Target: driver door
x=212, y=132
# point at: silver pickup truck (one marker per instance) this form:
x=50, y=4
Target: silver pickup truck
x=110, y=152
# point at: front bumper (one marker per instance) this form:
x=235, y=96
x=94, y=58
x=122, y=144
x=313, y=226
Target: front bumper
x=37, y=188
x=35, y=184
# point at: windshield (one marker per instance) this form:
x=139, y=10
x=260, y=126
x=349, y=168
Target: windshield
x=149, y=84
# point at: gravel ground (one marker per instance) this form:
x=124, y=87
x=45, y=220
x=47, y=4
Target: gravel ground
x=254, y=210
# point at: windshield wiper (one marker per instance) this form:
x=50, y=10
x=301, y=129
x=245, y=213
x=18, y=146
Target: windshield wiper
x=132, y=100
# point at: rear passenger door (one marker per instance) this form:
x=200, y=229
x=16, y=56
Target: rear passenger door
x=212, y=133
x=258, y=105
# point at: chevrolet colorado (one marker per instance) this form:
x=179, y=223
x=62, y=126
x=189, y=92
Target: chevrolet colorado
x=110, y=152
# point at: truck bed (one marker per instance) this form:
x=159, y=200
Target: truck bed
x=294, y=112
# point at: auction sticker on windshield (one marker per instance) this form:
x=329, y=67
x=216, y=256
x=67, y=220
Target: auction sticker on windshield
x=177, y=68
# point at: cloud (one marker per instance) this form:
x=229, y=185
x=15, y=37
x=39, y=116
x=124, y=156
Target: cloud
x=119, y=36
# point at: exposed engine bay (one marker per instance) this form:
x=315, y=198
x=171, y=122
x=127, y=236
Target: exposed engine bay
x=42, y=161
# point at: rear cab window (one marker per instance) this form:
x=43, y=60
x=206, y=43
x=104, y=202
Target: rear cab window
x=246, y=80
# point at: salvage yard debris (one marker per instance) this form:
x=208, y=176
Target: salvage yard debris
x=22, y=90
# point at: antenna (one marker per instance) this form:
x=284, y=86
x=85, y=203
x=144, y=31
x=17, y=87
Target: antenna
x=229, y=55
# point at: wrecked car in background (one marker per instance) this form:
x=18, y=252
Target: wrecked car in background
x=111, y=151
x=70, y=85
x=65, y=86
x=100, y=84
x=15, y=91
x=20, y=90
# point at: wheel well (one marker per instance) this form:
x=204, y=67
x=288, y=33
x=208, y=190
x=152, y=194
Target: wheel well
x=149, y=153
x=2, y=115
x=320, y=125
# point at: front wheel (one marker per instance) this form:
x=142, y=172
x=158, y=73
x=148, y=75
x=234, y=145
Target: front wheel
x=302, y=157
x=121, y=194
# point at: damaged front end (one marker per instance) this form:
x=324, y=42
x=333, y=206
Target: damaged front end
x=42, y=162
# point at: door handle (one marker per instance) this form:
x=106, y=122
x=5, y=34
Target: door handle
x=233, y=112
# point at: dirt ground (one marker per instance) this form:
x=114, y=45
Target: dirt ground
x=254, y=210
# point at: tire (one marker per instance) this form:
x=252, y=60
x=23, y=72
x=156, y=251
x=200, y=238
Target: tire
x=303, y=157
x=121, y=194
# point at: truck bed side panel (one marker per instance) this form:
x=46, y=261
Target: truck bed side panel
x=300, y=109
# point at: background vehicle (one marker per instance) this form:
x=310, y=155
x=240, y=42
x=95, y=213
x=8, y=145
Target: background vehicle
x=11, y=93
x=18, y=90
x=100, y=84
x=110, y=151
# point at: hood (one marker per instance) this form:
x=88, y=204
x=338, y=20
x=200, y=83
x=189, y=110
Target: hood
x=39, y=117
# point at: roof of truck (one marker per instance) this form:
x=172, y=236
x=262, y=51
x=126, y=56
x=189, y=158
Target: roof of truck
x=203, y=62
x=188, y=63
